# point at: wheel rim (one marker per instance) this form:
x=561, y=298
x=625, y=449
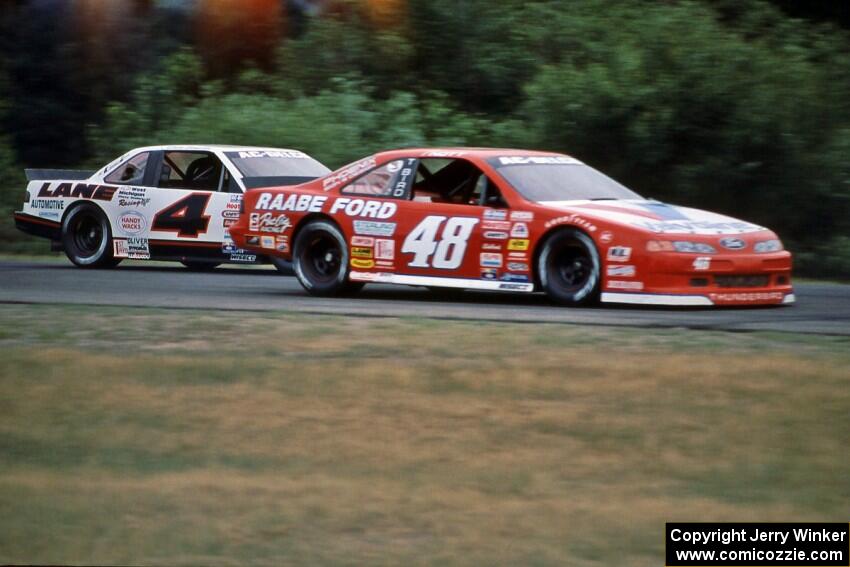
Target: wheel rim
x=322, y=259
x=88, y=235
x=571, y=267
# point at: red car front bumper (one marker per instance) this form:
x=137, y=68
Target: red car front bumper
x=694, y=280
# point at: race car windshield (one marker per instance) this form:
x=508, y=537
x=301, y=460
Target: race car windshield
x=566, y=181
x=266, y=168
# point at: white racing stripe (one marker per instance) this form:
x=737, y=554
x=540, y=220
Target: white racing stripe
x=429, y=281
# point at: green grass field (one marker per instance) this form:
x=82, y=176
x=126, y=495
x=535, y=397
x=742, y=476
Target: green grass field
x=148, y=436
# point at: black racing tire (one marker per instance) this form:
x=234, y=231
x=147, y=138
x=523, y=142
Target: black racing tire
x=281, y=265
x=87, y=237
x=200, y=266
x=320, y=259
x=569, y=269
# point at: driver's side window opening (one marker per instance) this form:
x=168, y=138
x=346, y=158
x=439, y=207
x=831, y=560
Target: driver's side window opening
x=457, y=181
x=197, y=171
x=132, y=172
x=389, y=180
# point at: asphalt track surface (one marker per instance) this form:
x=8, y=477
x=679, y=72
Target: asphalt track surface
x=820, y=308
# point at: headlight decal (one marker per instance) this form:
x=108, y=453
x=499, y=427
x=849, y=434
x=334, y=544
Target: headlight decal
x=773, y=245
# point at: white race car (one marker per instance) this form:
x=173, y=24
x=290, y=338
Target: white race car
x=157, y=203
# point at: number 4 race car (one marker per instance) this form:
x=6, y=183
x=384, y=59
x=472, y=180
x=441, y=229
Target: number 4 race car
x=509, y=220
x=162, y=203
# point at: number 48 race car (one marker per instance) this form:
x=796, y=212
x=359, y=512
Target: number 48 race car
x=509, y=220
x=161, y=203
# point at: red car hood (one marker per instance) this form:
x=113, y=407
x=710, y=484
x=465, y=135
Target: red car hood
x=656, y=217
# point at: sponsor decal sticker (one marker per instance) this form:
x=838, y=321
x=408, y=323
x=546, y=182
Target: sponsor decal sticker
x=518, y=244
x=243, y=258
x=573, y=219
x=518, y=255
x=119, y=248
x=522, y=216
x=267, y=242
x=49, y=215
x=342, y=176
x=272, y=154
x=385, y=249
x=228, y=246
x=385, y=264
x=698, y=227
x=443, y=153
x=518, y=266
x=138, y=249
x=744, y=297
x=359, y=263
x=733, y=243
x=282, y=243
x=495, y=225
x=491, y=246
x=231, y=214
x=520, y=230
x=252, y=240
x=300, y=203
x=362, y=241
x=514, y=277
x=268, y=222
x=619, y=254
x=539, y=160
x=621, y=271
x=489, y=274
x=515, y=286
x=702, y=263
x=361, y=252
x=495, y=214
x=48, y=204
x=364, y=208
x=132, y=222
x=606, y=236
x=632, y=286
x=78, y=190
x=363, y=276
x=495, y=235
x=372, y=228
x=491, y=260
x=132, y=197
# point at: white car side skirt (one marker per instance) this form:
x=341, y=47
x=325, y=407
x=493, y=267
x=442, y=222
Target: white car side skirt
x=656, y=299
x=430, y=281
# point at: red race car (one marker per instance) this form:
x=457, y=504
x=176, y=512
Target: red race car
x=509, y=220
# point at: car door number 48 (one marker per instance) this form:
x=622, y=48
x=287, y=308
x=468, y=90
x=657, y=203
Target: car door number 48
x=448, y=251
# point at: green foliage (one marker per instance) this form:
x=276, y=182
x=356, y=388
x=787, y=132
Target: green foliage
x=12, y=184
x=683, y=109
x=338, y=124
x=159, y=100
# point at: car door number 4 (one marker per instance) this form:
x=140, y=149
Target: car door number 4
x=185, y=217
x=448, y=251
